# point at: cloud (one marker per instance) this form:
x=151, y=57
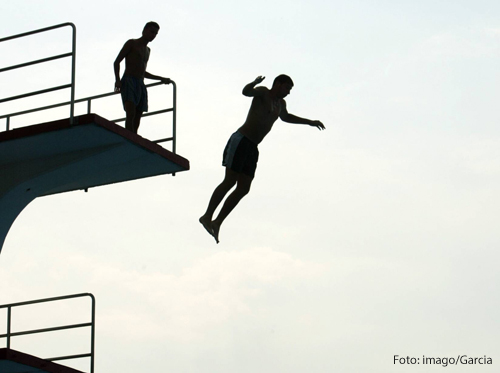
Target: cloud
x=213, y=291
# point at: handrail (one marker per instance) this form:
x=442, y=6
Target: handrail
x=89, y=100
x=90, y=324
x=35, y=62
x=71, y=54
x=46, y=90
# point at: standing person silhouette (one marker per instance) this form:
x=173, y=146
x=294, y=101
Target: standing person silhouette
x=133, y=90
x=241, y=153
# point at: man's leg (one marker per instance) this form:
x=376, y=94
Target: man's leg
x=218, y=195
x=137, y=120
x=242, y=188
x=130, y=110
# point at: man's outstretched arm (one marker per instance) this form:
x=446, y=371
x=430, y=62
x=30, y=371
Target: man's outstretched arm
x=250, y=91
x=285, y=116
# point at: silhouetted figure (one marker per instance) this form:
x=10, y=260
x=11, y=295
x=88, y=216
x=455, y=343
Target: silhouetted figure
x=134, y=94
x=241, y=153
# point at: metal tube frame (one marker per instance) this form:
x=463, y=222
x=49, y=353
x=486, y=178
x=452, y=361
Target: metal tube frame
x=90, y=324
x=89, y=100
x=71, y=54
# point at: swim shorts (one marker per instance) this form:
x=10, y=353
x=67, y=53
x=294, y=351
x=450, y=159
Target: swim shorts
x=241, y=154
x=134, y=90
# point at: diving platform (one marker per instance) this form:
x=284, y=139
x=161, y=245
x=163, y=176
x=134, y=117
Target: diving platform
x=78, y=152
x=61, y=156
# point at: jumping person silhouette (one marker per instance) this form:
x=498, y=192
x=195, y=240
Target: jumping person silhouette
x=241, y=153
x=133, y=91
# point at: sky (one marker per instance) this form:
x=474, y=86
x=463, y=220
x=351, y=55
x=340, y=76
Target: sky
x=374, y=238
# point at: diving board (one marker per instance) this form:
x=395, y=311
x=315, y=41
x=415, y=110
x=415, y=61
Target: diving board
x=61, y=156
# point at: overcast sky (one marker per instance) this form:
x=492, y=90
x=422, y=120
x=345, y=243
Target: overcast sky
x=374, y=238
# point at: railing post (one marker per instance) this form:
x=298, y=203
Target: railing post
x=8, y=325
x=174, y=119
x=92, y=336
x=8, y=124
x=89, y=105
x=73, y=75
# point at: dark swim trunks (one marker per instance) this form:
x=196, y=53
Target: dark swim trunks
x=241, y=155
x=134, y=90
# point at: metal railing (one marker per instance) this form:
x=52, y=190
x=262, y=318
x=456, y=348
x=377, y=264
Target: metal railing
x=90, y=324
x=71, y=54
x=72, y=101
x=89, y=107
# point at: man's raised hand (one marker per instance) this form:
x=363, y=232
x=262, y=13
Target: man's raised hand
x=259, y=79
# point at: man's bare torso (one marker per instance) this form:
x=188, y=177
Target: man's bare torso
x=137, y=59
x=264, y=111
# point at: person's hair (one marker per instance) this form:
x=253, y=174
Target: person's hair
x=151, y=24
x=283, y=79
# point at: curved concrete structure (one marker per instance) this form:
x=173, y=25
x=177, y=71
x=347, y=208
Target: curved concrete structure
x=57, y=157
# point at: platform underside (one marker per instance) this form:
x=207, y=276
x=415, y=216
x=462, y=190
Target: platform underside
x=91, y=153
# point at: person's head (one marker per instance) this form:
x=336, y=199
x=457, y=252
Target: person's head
x=282, y=85
x=150, y=30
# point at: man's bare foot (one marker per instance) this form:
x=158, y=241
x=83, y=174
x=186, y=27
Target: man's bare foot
x=215, y=231
x=207, y=224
